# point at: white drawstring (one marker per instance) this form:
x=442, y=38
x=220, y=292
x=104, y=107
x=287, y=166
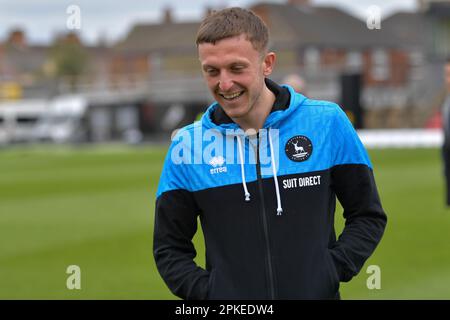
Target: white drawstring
x=275, y=179
x=279, y=208
x=246, y=193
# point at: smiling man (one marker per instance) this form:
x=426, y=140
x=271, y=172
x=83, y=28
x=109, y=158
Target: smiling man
x=268, y=226
x=235, y=69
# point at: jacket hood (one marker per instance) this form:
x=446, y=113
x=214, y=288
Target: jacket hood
x=272, y=121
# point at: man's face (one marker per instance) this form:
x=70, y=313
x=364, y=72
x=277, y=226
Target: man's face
x=234, y=72
x=447, y=76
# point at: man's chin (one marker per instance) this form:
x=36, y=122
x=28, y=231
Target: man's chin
x=234, y=112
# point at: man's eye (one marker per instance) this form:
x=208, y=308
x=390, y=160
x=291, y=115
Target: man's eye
x=211, y=72
x=237, y=69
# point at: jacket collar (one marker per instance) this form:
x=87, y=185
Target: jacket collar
x=282, y=100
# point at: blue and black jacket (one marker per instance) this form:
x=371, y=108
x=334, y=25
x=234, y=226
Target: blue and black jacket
x=266, y=204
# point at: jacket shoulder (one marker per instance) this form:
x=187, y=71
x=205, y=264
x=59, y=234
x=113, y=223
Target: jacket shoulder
x=188, y=128
x=321, y=108
x=321, y=105
x=185, y=134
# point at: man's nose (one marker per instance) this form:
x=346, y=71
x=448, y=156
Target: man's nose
x=225, y=83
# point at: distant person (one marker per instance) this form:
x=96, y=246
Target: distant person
x=268, y=223
x=446, y=127
x=297, y=82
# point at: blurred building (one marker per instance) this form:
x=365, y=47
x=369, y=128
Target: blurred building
x=165, y=55
x=152, y=78
x=425, y=36
x=20, y=65
x=319, y=43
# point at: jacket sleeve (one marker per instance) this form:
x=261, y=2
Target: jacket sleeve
x=175, y=225
x=354, y=184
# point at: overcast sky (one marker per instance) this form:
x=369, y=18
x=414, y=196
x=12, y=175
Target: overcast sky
x=110, y=20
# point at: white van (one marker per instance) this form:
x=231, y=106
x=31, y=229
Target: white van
x=63, y=121
x=56, y=120
x=19, y=119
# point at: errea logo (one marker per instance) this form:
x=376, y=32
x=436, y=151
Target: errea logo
x=217, y=163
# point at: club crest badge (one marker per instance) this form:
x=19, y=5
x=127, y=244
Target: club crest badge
x=298, y=148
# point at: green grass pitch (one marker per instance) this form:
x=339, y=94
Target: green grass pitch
x=94, y=206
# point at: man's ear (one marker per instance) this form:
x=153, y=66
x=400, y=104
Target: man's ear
x=268, y=63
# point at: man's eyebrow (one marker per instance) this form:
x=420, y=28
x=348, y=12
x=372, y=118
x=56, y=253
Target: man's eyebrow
x=238, y=63
x=232, y=64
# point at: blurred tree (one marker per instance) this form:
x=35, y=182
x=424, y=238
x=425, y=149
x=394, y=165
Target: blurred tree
x=69, y=59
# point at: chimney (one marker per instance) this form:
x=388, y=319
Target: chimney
x=300, y=2
x=423, y=5
x=168, y=15
x=17, y=38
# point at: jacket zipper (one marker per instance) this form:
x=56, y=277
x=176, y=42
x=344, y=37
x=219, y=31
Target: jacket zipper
x=264, y=219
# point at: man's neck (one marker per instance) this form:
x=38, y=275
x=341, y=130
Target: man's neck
x=259, y=113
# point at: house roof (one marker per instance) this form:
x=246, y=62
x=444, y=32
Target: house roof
x=159, y=37
x=27, y=59
x=408, y=27
x=321, y=26
x=289, y=25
